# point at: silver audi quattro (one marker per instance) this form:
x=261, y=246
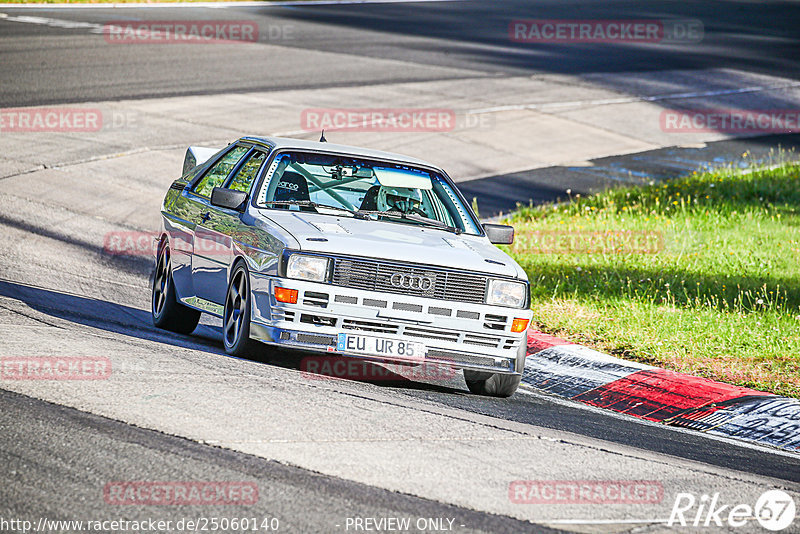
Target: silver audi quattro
x=343, y=251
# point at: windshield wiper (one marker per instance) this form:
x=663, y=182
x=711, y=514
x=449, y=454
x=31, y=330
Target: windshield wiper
x=425, y=221
x=312, y=204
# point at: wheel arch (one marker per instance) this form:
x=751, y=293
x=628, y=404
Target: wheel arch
x=162, y=239
x=238, y=260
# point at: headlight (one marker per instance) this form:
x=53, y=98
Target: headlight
x=506, y=293
x=312, y=268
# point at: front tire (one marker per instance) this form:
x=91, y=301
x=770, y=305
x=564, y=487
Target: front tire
x=496, y=384
x=492, y=384
x=236, y=317
x=165, y=309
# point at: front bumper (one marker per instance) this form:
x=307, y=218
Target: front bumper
x=465, y=336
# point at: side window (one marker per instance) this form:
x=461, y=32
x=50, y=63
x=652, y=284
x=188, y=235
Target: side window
x=243, y=179
x=216, y=175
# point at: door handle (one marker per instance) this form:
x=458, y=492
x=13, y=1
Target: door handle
x=206, y=216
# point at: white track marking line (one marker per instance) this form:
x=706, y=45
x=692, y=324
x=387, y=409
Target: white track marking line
x=632, y=99
x=220, y=5
x=54, y=23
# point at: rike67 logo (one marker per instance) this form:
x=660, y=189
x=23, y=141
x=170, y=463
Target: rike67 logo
x=774, y=510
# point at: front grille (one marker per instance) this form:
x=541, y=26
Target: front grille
x=375, y=276
x=495, y=322
x=447, y=356
x=315, y=339
x=315, y=299
x=404, y=306
x=431, y=333
x=483, y=341
x=319, y=320
x=375, y=303
x=369, y=326
x=279, y=314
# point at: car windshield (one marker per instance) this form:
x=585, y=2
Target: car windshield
x=338, y=185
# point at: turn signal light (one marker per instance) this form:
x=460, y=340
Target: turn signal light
x=286, y=295
x=519, y=325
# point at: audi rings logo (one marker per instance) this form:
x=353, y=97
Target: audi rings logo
x=411, y=281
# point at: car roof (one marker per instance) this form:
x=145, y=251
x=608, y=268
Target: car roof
x=302, y=144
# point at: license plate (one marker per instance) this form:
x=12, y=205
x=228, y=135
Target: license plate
x=376, y=346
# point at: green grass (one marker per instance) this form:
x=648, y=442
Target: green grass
x=720, y=299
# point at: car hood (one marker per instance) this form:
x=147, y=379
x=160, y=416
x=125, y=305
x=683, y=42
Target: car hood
x=400, y=242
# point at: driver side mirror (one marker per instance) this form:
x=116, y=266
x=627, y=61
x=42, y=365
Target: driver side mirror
x=228, y=198
x=499, y=234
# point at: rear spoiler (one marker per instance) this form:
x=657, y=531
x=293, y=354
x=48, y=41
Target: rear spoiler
x=197, y=155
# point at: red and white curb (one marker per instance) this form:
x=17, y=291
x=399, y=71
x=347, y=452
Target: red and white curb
x=562, y=368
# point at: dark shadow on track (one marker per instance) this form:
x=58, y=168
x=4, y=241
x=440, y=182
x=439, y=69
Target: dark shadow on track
x=125, y=320
x=128, y=263
x=324, y=368
x=105, y=315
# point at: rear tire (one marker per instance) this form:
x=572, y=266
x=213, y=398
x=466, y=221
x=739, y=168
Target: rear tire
x=165, y=309
x=236, y=317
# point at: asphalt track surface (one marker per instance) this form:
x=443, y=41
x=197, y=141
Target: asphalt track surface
x=60, y=292
x=43, y=64
x=63, y=475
